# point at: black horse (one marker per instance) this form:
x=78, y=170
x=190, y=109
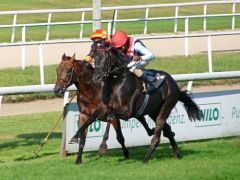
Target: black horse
x=89, y=98
x=127, y=97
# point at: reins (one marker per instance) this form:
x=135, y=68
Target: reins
x=108, y=68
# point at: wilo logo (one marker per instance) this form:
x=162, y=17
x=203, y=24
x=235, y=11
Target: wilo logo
x=210, y=115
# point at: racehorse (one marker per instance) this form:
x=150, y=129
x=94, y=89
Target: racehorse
x=127, y=95
x=89, y=99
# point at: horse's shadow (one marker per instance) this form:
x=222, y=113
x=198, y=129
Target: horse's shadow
x=164, y=151
x=33, y=156
x=29, y=140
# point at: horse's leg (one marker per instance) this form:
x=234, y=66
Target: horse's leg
x=103, y=146
x=167, y=132
x=82, y=120
x=160, y=121
x=142, y=120
x=120, y=138
x=81, y=133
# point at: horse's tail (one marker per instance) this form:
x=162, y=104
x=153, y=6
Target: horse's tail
x=191, y=107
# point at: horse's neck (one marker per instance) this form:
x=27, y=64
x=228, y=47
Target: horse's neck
x=86, y=88
x=121, y=63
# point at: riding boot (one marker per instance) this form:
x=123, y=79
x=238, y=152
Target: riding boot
x=148, y=84
x=152, y=82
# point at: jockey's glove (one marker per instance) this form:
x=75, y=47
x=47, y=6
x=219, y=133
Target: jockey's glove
x=136, y=58
x=89, y=59
x=132, y=63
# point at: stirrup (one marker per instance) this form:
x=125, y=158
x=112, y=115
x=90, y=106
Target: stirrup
x=149, y=86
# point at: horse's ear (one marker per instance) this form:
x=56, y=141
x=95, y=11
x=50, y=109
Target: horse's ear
x=63, y=56
x=73, y=57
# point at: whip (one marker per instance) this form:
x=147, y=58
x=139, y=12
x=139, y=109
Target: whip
x=51, y=130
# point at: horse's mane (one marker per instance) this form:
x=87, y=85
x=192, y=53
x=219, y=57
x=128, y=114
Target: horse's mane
x=85, y=68
x=119, y=56
x=82, y=63
x=85, y=65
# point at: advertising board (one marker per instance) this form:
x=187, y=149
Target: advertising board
x=220, y=117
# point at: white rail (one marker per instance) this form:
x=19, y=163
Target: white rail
x=146, y=18
x=50, y=13
x=186, y=36
x=178, y=77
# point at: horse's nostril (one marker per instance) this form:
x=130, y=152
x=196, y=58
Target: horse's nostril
x=58, y=92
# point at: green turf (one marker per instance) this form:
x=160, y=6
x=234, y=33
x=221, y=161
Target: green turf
x=72, y=31
x=21, y=135
x=173, y=65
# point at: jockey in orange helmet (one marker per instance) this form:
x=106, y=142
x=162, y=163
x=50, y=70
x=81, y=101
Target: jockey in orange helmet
x=140, y=56
x=99, y=38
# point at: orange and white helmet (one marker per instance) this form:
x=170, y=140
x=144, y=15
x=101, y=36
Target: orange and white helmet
x=99, y=33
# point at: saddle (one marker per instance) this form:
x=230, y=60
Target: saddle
x=152, y=80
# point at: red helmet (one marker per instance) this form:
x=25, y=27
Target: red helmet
x=119, y=39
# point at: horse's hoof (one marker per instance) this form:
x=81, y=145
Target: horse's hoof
x=126, y=154
x=145, y=161
x=78, y=161
x=103, y=149
x=176, y=155
x=74, y=140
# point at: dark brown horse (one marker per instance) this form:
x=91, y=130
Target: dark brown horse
x=127, y=95
x=89, y=98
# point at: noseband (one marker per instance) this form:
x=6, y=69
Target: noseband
x=71, y=79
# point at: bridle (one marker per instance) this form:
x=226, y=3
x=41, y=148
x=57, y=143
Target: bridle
x=107, y=68
x=70, y=81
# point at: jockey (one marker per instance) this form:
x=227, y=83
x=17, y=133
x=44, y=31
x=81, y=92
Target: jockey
x=140, y=55
x=99, y=38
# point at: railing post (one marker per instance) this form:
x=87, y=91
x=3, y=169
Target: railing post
x=233, y=12
x=210, y=69
x=41, y=64
x=48, y=27
x=23, y=47
x=146, y=22
x=114, y=24
x=109, y=26
x=13, y=29
x=189, y=86
x=205, y=18
x=176, y=20
x=81, y=26
x=186, y=37
x=65, y=98
x=1, y=102
x=96, y=14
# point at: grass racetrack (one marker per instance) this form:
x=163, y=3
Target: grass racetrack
x=209, y=159
x=21, y=135
x=72, y=31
